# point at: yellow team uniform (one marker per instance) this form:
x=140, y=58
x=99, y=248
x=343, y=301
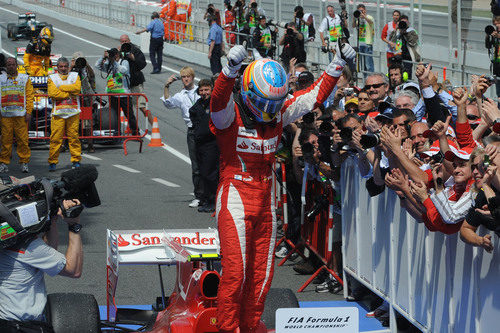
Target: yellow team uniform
x=16, y=101
x=64, y=90
x=36, y=60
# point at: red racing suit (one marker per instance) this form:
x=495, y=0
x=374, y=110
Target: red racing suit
x=245, y=207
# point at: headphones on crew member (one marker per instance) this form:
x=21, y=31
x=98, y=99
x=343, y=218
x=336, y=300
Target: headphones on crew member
x=404, y=75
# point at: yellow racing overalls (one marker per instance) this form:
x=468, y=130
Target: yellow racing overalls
x=36, y=59
x=16, y=102
x=64, y=90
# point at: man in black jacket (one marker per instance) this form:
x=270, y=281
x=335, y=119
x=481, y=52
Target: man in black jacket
x=207, y=152
x=137, y=63
x=435, y=110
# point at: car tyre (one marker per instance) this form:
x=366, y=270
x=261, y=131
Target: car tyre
x=73, y=312
x=9, y=30
x=13, y=32
x=277, y=298
x=108, y=120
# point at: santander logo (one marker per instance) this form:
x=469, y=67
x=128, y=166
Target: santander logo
x=138, y=240
x=242, y=145
x=122, y=242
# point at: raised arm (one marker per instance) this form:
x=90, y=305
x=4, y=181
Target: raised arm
x=222, y=103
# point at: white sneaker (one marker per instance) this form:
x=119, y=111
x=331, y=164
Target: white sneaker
x=4, y=168
x=282, y=252
x=24, y=168
x=195, y=203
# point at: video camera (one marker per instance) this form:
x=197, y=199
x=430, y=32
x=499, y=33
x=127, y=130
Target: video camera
x=26, y=210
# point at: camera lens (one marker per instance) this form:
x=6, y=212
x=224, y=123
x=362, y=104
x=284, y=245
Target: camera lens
x=356, y=14
x=402, y=25
x=489, y=29
x=346, y=134
x=369, y=140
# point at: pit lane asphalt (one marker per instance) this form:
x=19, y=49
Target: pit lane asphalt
x=131, y=199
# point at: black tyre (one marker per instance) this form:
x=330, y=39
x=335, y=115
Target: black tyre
x=73, y=312
x=14, y=32
x=9, y=30
x=103, y=119
x=277, y=298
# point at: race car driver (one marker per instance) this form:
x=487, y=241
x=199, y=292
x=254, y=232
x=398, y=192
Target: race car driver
x=37, y=55
x=248, y=127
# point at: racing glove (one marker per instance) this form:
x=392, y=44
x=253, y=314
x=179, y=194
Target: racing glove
x=342, y=55
x=235, y=59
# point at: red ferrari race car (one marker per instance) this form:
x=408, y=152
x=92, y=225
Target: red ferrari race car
x=192, y=306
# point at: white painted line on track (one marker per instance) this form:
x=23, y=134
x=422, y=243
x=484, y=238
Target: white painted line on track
x=173, y=151
x=91, y=157
x=92, y=43
x=126, y=168
x=168, y=148
x=165, y=182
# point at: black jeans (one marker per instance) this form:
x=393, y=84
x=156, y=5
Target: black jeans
x=195, y=169
x=156, y=53
x=207, y=154
x=215, y=64
x=126, y=105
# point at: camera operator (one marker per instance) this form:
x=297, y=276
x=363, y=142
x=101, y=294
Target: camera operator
x=262, y=39
x=331, y=25
x=239, y=11
x=87, y=78
x=406, y=37
x=118, y=82
x=229, y=23
x=137, y=62
x=253, y=16
x=22, y=288
x=492, y=41
x=365, y=25
x=392, y=48
x=293, y=45
x=349, y=137
x=304, y=23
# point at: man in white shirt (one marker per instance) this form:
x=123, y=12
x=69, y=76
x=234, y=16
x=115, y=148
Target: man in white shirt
x=184, y=100
x=331, y=27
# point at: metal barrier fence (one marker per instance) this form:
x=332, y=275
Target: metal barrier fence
x=437, y=282
x=104, y=118
x=432, y=23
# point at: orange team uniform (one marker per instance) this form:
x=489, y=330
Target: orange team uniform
x=229, y=25
x=168, y=13
x=183, y=13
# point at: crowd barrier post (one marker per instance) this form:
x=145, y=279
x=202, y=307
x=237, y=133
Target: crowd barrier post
x=284, y=206
x=297, y=248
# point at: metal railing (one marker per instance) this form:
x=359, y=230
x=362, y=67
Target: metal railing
x=431, y=25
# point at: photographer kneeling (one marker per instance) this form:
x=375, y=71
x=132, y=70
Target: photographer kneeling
x=22, y=267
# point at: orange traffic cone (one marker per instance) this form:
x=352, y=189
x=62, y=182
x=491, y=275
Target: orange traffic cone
x=155, y=135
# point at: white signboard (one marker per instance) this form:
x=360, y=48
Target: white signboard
x=310, y=320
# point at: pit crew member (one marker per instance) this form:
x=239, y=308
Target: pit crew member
x=16, y=107
x=63, y=88
x=37, y=55
x=248, y=127
x=22, y=267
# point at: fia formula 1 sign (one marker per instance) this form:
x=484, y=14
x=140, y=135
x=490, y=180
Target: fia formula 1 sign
x=319, y=320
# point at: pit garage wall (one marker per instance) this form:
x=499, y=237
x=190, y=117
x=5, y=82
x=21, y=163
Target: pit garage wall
x=436, y=281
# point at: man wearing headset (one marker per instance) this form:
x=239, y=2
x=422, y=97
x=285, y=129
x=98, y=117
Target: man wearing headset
x=248, y=127
x=37, y=55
